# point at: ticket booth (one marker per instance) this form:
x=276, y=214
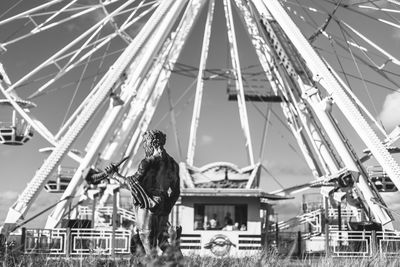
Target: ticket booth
x=222, y=211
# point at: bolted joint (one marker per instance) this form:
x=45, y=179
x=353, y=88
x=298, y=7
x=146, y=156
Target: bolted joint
x=2, y=49
x=4, y=76
x=309, y=91
x=116, y=100
x=327, y=104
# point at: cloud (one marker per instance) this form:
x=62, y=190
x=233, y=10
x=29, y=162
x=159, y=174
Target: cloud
x=287, y=168
x=206, y=139
x=88, y=19
x=288, y=209
x=5, y=152
x=83, y=22
x=7, y=198
x=396, y=34
x=8, y=195
x=390, y=114
x=72, y=27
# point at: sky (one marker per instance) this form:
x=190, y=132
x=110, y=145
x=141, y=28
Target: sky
x=219, y=136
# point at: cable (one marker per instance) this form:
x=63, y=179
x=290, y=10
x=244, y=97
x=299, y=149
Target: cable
x=273, y=177
x=339, y=62
x=16, y=31
x=308, y=15
x=174, y=105
x=77, y=87
x=383, y=206
x=322, y=28
x=359, y=71
x=40, y=213
x=386, y=13
x=105, y=54
x=8, y=10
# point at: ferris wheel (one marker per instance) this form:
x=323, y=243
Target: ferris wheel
x=105, y=65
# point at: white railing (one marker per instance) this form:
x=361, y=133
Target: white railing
x=364, y=243
x=45, y=241
x=89, y=242
x=345, y=213
x=313, y=218
x=85, y=212
x=351, y=243
x=76, y=242
x=389, y=243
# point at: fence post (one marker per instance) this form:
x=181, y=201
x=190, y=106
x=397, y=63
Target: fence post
x=67, y=242
x=299, y=245
x=277, y=235
x=114, y=221
x=23, y=237
x=374, y=243
x=326, y=213
x=94, y=210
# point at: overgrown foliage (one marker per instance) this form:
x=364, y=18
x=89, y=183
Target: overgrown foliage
x=270, y=259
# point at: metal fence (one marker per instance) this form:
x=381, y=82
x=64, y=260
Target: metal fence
x=74, y=242
x=364, y=243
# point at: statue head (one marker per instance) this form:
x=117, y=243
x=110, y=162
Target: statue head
x=153, y=139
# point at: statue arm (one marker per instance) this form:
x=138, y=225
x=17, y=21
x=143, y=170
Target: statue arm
x=140, y=173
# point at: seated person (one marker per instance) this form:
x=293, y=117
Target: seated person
x=198, y=225
x=228, y=220
x=214, y=224
x=228, y=228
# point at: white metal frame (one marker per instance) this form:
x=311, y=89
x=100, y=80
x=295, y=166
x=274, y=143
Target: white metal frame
x=142, y=81
x=200, y=83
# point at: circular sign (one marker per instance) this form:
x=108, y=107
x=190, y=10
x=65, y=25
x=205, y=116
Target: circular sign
x=219, y=245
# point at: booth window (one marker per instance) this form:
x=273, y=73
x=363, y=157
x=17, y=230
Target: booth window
x=220, y=217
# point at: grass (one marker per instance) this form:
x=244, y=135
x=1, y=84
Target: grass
x=262, y=259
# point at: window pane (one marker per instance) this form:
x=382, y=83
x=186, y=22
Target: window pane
x=220, y=217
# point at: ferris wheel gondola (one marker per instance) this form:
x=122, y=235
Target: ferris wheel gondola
x=18, y=131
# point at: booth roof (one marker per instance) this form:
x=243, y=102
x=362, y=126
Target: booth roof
x=230, y=192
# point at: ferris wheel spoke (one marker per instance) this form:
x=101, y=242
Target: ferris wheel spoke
x=29, y=12
x=48, y=76
x=372, y=67
x=46, y=25
x=12, y=7
x=58, y=12
x=390, y=23
x=363, y=51
x=388, y=13
x=139, y=6
x=378, y=9
x=309, y=74
x=98, y=44
x=304, y=7
x=84, y=103
x=374, y=45
x=86, y=10
x=50, y=60
x=50, y=13
x=64, y=70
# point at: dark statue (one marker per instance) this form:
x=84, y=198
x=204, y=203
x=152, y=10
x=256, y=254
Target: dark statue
x=155, y=188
